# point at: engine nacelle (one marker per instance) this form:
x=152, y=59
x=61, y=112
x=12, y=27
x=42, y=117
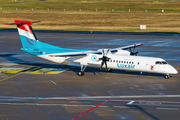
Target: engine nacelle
x=122, y=52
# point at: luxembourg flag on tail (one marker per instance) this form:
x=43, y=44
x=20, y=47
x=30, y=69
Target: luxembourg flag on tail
x=27, y=36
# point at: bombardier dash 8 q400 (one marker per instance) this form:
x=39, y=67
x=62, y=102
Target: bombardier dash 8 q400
x=116, y=58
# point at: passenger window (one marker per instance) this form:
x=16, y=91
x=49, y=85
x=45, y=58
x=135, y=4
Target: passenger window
x=117, y=61
x=121, y=61
x=113, y=60
x=129, y=62
x=132, y=62
x=124, y=61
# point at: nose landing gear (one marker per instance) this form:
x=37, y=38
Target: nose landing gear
x=167, y=76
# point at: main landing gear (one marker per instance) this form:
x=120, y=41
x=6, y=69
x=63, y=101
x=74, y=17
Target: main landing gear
x=81, y=73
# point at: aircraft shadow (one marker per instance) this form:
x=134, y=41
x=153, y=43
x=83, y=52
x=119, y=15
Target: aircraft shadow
x=13, y=59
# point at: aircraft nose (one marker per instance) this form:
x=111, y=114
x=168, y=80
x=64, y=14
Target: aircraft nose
x=172, y=70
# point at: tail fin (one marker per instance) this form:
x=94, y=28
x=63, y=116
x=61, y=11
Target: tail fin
x=32, y=45
x=27, y=36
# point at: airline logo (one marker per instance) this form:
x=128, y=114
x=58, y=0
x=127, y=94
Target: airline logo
x=128, y=66
x=94, y=58
x=152, y=67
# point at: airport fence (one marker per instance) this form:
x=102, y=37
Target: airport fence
x=94, y=10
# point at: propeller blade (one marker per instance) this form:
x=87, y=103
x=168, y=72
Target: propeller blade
x=103, y=51
x=107, y=51
x=134, y=47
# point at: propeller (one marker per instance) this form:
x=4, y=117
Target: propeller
x=104, y=58
x=132, y=52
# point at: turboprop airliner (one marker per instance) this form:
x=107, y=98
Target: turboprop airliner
x=116, y=58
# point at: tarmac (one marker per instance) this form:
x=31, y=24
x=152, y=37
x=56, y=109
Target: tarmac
x=33, y=88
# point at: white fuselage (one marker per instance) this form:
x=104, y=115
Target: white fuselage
x=119, y=61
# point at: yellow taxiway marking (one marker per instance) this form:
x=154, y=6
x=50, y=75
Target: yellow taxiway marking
x=174, y=78
x=11, y=77
x=131, y=75
x=19, y=74
x=111, y=73
x=11, y=70
x=152, y=76
x=48, y=71
x=35, y=70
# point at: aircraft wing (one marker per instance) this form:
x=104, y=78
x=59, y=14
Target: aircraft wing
x=97, y=52
x=78, y=54
x=125, y=47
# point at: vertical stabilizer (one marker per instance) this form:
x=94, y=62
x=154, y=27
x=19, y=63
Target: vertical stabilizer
x=27, y=36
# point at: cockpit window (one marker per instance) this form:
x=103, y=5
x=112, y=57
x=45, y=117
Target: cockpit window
x=164, y=62
x=158, y=62
x=161, y=62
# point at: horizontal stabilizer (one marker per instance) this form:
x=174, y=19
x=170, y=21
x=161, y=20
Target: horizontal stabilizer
x=21, y=22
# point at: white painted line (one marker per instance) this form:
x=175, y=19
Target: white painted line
x=53, y=82
x=58, y=104
x=78, y=102
x=98, y=97
x=30, y=103
x=131, y=102
x=168, y=108
x=45, y=104
x=123, y=107
x=4, y=103
x=16, y=104
x=80, y=105
x=50, y=104
x=103, y=106
x=138, y=96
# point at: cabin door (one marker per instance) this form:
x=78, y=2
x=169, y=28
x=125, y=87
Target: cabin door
x=138, y=64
